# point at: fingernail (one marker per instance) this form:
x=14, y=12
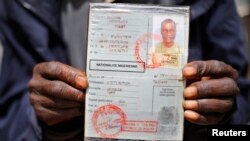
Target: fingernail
x=191, y=115
x=81, y=82
x=189, y=71
x=190, y=104
x=190, y=92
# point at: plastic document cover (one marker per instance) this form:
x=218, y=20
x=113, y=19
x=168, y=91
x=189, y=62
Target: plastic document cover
x=134, y=66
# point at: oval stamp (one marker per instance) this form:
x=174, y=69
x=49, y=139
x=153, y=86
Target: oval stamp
x=108, y=121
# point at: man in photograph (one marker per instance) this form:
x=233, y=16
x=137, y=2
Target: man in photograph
x=166, y=53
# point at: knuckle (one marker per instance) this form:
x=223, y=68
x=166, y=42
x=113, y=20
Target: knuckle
x=225, y=106
x=61, y=89
x=232, y=86
x=203, y=89
x=39, y=67
x=30, y=84
x=32, y=100
x=235, y=74
x=229, y=70
x=232, y=73
x=80, y=96
x=36, y=68
x=69, y=75
x=64, y=71
x=237, y=91
x=228, y=103
x=53, y=66
x=218, y=66
x=53, y=88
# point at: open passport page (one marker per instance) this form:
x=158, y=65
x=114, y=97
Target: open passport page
x=134, y=66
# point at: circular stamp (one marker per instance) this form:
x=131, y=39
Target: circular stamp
x=108, y=121
x=144, y=39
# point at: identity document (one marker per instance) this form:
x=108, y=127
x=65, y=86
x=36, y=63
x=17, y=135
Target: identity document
x=134, y=66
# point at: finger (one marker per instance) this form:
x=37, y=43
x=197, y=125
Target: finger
x=208, y=105
x=54, y=116
x=59, y=71
x=51, y=102
x=57, y=89
x=215, y=69
x=224, y=87
x=203, y=119
x=205, y=78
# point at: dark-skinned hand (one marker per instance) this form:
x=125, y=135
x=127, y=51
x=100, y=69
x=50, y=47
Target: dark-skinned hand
x=57, y=92
x=210, y=92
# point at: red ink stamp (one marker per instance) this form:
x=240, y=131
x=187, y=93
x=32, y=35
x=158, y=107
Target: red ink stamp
x=140, y=126
x=144, y=39
x=108, y=121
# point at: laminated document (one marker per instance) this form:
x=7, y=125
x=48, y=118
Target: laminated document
x=136, y=54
